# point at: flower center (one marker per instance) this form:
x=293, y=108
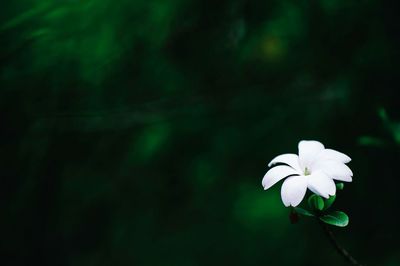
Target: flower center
x=307, y=172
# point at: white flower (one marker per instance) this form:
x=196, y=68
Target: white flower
x=314, y=168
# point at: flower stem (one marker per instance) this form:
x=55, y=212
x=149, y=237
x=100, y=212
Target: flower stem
x=338, y=248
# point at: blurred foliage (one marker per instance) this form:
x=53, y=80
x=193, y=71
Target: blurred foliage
x=392, y=130
x=138, y=132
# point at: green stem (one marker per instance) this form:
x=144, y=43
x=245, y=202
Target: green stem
x=342, y=251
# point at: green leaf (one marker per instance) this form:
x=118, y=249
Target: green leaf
x=316, y=202
x=340, y=186
x=303, y=212
x=371, y=141
x=383, y=115
x=329, y=202
x=336, y=218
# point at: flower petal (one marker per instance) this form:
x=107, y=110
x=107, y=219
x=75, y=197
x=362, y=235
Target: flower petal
x=321, y=184
x=329, y=154
x=277, y=173
x=289, y=159
x=293, y=190
x=334, y=170
x=308, y=151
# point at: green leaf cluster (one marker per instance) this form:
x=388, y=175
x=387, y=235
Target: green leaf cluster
x=320, y=208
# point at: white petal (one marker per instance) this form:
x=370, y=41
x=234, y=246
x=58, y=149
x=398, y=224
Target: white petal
x=277, y=173
x=329, y=154
x=334, y=169
x=321, y=184
x=293, y=190
x=289, y=159
x=308, y=152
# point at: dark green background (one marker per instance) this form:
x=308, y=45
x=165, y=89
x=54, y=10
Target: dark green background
x=138, y=132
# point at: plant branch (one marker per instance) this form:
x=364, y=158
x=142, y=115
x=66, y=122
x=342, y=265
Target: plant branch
x=342, y=251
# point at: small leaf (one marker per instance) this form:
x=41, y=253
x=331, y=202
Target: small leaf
x=329, y=202
x=316, y=202
x=336, y=218
x=303, y=212
x=340, y=186
x=371, y=141
x=383, y=115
